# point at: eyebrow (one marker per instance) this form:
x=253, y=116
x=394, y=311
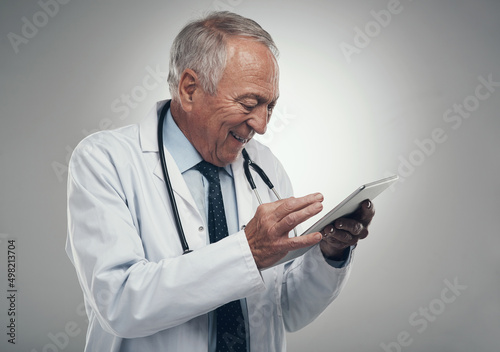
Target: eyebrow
x=260, y=99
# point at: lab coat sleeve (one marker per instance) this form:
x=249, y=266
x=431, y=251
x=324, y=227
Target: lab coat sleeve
x=131, y=296
x=309, y=283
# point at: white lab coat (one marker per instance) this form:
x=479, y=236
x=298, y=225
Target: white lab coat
x=141, y=293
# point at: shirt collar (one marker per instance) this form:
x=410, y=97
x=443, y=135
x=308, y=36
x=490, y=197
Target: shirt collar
x=184, y=153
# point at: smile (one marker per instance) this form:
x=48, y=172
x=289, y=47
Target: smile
x=238, y=138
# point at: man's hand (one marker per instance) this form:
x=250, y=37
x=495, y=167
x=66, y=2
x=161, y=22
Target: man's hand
x=346, y=231
x=267, y=232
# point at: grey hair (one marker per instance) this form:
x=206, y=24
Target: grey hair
x=201, y=47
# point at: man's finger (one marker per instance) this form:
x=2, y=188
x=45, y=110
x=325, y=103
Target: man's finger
x=364, y=213
x=303, y=241
x=292, y=204
x=332, y=234
x=335, y=243
x=291, y=220
x=352, y=226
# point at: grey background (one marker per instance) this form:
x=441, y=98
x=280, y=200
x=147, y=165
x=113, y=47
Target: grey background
x=338, y=124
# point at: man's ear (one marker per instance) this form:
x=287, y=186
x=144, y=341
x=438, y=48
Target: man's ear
x=187, y=86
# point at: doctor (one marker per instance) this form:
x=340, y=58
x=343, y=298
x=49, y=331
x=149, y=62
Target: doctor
x=141, y=293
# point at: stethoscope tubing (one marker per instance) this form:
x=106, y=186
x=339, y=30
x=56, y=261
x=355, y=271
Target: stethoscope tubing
x=170, y=190
x=246, y=165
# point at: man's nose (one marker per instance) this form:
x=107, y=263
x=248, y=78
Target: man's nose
x=259, y=119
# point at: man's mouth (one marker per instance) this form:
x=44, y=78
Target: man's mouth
x=239, y=138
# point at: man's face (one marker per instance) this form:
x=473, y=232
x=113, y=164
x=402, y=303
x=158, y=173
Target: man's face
x=219, y=126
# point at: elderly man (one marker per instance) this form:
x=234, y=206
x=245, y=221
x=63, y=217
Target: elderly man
x=217, y=288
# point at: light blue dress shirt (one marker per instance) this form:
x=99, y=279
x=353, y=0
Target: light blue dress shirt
x=186, y=157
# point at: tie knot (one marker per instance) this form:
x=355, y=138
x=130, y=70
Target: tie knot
x=210, y=171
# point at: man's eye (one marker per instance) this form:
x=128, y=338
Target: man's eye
x=248, y=107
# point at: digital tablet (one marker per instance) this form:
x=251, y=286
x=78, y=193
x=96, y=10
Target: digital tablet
x=347, y=206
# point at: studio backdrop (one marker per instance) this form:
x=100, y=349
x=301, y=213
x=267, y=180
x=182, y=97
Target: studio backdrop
x=367, y=89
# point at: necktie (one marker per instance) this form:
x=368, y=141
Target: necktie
x=231, y=332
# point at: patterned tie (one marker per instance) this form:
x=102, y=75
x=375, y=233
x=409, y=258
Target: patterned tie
x=231, y=332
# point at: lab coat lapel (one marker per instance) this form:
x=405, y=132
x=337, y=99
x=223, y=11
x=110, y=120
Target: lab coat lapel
x=178, y=184
x=149, y=143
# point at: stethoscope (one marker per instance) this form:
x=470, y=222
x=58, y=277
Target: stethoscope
x=247, y=164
